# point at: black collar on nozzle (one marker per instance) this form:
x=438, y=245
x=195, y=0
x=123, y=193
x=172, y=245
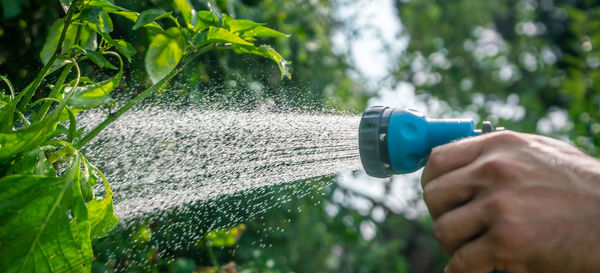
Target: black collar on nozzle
x=372, y=141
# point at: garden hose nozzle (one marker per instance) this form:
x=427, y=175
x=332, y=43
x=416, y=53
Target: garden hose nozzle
x=396, y=141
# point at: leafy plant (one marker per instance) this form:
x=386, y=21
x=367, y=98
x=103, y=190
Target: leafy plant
x=220, y=238
x=49, y=213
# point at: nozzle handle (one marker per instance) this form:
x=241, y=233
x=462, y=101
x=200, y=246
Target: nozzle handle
x=412, y=136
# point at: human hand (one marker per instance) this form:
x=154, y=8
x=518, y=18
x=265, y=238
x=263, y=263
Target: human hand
x=514, y=202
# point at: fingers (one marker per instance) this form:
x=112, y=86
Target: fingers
x=474, y=257
x=457, y=178
x=455, y=228
x=451, y=156
x=450, y=191
x=482, y=256
x=446, y=158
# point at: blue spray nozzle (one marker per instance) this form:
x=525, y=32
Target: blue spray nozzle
x=397, y=141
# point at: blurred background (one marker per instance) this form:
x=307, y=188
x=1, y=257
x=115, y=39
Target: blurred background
x=528, y=65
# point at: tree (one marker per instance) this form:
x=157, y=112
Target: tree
x=538, y=54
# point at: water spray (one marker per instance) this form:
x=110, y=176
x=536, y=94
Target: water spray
x=396, y=141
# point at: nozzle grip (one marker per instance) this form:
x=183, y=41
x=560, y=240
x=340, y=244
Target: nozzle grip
x=412, y=136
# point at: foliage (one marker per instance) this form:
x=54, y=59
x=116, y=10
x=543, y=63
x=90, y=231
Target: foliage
x=538, y=54
x=224, y=237
x=579, y=75
x=49, y=213
x=320, y=79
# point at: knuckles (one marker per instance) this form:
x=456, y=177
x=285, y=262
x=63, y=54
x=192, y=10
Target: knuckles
x=500, y=204
x=498, y=165
x=508, y=137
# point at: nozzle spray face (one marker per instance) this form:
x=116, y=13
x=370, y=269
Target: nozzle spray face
x=395, y=141
x=372, y=141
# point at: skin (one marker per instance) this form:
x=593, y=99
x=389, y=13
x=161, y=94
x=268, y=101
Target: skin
x=514, y=202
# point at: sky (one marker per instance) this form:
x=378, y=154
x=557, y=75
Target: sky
x=378, y=27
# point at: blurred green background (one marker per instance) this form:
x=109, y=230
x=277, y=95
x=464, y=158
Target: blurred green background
x=528, y=65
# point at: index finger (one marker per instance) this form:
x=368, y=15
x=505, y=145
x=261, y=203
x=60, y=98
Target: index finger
x=458, y=154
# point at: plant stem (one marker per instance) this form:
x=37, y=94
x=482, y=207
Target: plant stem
x=146, y=93
x=66, y=150
x=30, y=89
x=10, y=87
x=213, y=258
x=54, y=92
x=199, y=52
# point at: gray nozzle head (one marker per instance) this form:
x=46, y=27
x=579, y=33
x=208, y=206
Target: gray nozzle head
x=372, y=141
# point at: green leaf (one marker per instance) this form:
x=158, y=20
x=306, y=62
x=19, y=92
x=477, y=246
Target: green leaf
x=52, y=40
x=262, y=31
x=186, y=10
x=35, y=231
x=149, y=16
x=33, y=162
x=142, y=235
x=7, y=113
x=43, y=166
x=14, y=142
x=164, y=53
x=101, y=213
x=205, y=19
x=124, y=48
x=102, y=217
x=4, y=100
x=267, y=52
x=87, y=180
x=235, y=25
x=105, y=24
x=133, y=16
x=224, y=237
x=95, y=94
x=106, y=5
x=87, y=39
x=60, y=130
x=215, y=35
x=130, y=15
x=99, y=59
x=89, y=14
x=72, y=125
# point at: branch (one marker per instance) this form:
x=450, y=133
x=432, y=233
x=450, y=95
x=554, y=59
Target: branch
x=54, y=92
x=375, y=202
x=30, y=89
